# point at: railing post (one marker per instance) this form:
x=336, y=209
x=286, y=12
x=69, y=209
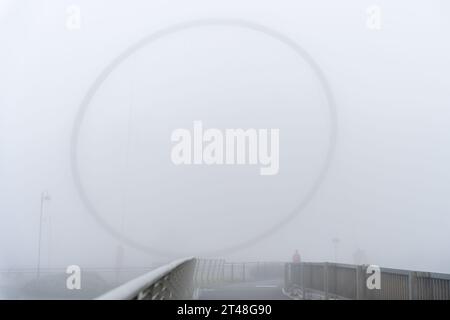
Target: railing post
x=325, y=280
x=203, y=272
x=223, y=270
x=218, y=272
x=215, y=269
x=360, y=283
x=232, y=272
x=412, y=282
x=243, y=272
x=302, y=277
x=208, y=272
x=258, y=271
x=287, y=274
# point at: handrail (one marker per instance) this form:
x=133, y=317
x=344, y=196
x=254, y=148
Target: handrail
x=326, y=280
x=170, y=281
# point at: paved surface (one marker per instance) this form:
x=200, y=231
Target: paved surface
x=258, y=290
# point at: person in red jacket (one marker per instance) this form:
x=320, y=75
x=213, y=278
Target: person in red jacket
x=296, y=257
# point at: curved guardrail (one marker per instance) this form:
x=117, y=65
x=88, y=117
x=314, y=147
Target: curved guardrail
x=169, y=282
x=310, y=280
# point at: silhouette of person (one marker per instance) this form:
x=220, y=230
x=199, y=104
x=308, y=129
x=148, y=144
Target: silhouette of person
x=296, y=257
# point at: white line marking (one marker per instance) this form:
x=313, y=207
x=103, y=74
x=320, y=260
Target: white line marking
x=268, y=286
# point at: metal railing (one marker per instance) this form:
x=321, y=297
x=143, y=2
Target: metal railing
x=310, y=280
x=252, y=271
x=176, y=280
x=209, y=272
x=169, y=282
x=213, y=272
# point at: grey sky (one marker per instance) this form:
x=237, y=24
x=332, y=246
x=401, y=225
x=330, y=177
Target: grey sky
x=386, y=191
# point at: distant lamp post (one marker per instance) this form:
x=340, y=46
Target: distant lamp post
x=335, y=243
x=45, y=196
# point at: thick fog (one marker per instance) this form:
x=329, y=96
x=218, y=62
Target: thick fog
x=363, y=116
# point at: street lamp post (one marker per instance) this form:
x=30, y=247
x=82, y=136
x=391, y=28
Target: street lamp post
x=44, y=197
